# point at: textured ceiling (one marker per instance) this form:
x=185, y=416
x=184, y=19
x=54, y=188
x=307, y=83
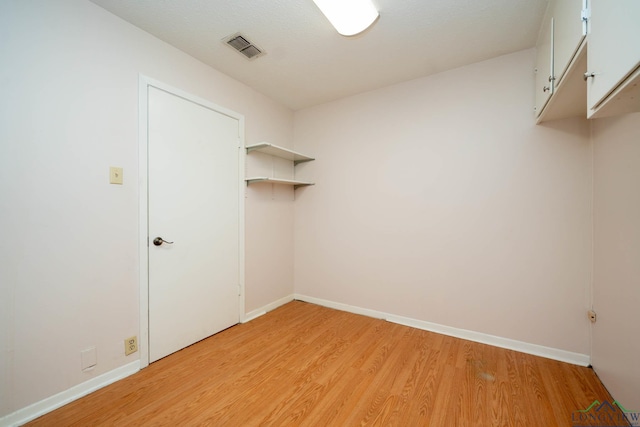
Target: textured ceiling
x=308, y=63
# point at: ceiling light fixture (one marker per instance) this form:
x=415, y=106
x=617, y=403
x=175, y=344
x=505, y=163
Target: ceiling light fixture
x=349, y=17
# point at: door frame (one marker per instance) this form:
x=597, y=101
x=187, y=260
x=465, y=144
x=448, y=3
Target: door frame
x=143, y=188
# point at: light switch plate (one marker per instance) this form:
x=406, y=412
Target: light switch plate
x=115, y=175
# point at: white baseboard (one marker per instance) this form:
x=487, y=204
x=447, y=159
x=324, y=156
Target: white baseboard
x=534, y=349
x=49, y=404
x=343, y=307
x=264, y=309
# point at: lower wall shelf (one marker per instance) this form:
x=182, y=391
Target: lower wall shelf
x=295, y=184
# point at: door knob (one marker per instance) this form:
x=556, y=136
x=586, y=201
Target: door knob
x=159, y=240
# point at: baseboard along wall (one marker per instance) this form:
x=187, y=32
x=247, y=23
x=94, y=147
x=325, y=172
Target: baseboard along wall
x=534, y=349
x=32, y=412
x=56, y=401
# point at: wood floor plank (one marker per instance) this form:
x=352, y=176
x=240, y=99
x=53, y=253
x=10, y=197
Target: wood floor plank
x=307, y=365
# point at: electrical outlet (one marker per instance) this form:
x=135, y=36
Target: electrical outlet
x=592, y=316
x=130, y=345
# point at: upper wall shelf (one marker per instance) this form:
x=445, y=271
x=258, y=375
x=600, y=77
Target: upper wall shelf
x=294, y=183
x=274, y=150
x=280, y=171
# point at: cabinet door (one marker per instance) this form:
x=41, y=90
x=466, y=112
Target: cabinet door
x=568, y=33
x=614, y=47
x=544, y=64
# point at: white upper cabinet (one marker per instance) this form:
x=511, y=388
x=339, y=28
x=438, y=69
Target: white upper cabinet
x=595, y=59
x=613, y=58
x=568, y=33
x=560, y=53
x=544, y=63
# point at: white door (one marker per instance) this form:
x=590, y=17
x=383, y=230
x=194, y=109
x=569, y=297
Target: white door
x=193, y=202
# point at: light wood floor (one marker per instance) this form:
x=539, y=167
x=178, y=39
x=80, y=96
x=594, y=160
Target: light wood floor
x=304, y=364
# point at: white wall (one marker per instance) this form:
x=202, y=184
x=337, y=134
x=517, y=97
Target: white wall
x=68, y=247
x=616, y=290
x=440, y=200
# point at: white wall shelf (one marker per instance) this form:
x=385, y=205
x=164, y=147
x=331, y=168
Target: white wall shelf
x=296, y=184
x=282, y=171
x=283, y=153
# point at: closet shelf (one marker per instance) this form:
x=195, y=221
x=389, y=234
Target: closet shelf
x=296, y=184
x=274, y=150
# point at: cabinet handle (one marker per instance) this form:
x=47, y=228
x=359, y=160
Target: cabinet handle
x=587, y=75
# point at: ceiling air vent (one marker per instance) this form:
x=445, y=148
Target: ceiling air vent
x=243, y=45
